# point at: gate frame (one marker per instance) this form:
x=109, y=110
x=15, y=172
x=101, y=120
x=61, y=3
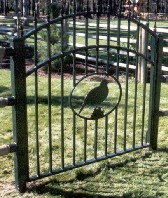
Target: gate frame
x=20, y=128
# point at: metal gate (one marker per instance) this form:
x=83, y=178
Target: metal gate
x=103, y=100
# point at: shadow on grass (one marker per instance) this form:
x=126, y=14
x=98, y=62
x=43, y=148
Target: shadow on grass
x=53, y=187
x=57, y=191
x=162, y=150
x=4, y=89
x=57, y=100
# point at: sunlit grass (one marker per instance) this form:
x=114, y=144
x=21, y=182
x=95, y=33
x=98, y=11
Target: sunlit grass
x=68, y=125
x=132, y=174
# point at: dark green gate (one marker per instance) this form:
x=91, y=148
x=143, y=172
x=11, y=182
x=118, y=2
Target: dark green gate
x=85, y=45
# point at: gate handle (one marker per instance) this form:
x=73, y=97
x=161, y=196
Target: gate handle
x=10, y=101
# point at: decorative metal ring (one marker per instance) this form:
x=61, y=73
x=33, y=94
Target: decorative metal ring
x=107, y=103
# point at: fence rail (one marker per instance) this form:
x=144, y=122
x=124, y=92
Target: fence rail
x=163, y=112
x=125, y=40
x=6, y=149
x=7, y=102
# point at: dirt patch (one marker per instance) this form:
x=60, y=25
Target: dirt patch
x=69, y=71
x=8, y=190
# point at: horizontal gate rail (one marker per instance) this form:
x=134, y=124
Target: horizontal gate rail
x=8, y=101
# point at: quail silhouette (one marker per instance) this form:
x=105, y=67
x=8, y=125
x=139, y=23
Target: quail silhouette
x=97, y=95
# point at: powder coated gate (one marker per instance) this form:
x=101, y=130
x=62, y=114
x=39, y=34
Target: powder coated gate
x=51, y=134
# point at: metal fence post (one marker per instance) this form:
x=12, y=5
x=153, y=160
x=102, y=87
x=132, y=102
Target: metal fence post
x=20, y=132
x=155, y=92
x=159, y=56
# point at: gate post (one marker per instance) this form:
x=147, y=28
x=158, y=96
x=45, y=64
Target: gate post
x=157, y=55
x=20, y=132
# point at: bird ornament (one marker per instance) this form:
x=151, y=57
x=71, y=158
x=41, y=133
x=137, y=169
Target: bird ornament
x=97, y=95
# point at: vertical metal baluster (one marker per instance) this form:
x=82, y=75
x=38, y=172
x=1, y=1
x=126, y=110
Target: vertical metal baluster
x=136, y=86
x=115, y=130
x=62, y=98
x=49, y=95
x=74, y=81
x=74, y=42
x=106, y=135
x=36, y=96
x=127, y=85
x=152, y=89
x=74, y=139
x=143, y=112
x=85, y=140
x=118, y=37
x=95, y=139
x=108, y=37
x=117, y=75
x=97, y=39
x=86, y=38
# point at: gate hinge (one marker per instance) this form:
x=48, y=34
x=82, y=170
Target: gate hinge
x=9, y=51
x=6, y=51
x=6, y=149
x=10, y=101
x=163, y=112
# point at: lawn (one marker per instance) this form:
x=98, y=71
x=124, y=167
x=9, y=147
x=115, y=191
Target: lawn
x=141, y=173
x=137, y=174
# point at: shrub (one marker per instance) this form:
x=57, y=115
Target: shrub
x=54, y=39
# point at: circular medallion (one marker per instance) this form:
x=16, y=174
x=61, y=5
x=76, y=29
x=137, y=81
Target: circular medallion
x=95, y=96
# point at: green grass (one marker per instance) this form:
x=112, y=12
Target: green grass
x=137, y=174
x=113, y=33
x=78, y=96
